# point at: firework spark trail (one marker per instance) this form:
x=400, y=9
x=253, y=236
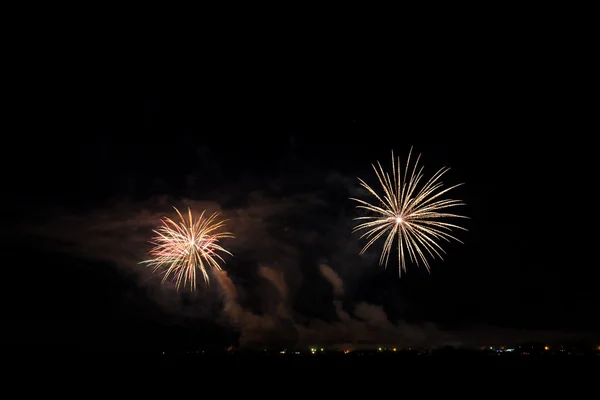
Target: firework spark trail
x=410, y=215
x=182, y=249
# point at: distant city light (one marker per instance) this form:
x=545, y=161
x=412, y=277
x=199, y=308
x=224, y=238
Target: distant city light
x=526, y=350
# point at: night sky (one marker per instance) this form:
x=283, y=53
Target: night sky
x=275, y=141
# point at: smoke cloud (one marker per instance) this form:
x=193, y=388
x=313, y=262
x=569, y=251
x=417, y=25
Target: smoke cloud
x=369, y=325
x=333, y=278
x=285, y=246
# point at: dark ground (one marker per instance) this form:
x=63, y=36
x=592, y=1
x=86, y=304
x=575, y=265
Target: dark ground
x=338, y=361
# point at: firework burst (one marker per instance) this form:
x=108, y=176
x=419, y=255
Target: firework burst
x=182, y=249
x=409, y=212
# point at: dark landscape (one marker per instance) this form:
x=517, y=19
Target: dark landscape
x=585, y=357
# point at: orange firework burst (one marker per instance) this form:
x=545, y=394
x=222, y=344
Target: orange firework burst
x=182, y=249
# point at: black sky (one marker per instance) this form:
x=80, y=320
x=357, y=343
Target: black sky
x=280, y=136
